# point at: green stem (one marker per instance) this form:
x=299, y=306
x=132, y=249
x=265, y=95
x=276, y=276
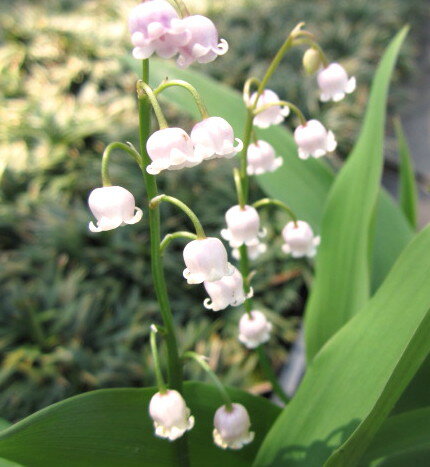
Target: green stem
x=106, y=158
x=270, y=374
x=291, y=106
x=158, y=374
x=174, y=364
x=279, y=204
x=247, y=88
x=239, y=190
x=190, y=88
x=144, y=91
x=204, y=365
x=308, y=40
x=181, y=7
x=172, y=236
x=154, y=202
x=244, y=155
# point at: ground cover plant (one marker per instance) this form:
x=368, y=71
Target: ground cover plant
x=355, y=298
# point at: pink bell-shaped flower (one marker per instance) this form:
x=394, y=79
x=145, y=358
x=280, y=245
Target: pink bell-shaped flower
x=334, y=83
x=172, y=149
x=300, y=240
x=206, y=260
x=243, y=226
x=254, y=330
x=228, y=291
x=231, y=427
x=203, y=45
x=214, y=137
x=262, y=158
x=272, y=115
x=172, y=418
x=112, y=206
x=254, y=249
x=314, y=140
x=156, y=28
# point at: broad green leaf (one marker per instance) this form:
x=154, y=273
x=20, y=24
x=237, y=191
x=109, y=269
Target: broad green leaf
x=358, y=375
x=303, y=185
x=342, y=282
x=111, y=427
x=408, y=189
x=405, y=433
x=4, y=424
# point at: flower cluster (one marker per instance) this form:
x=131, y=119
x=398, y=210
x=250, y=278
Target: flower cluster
x=156, y=27
x=174, y=149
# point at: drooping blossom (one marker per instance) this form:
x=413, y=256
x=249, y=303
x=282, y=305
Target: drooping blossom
x=272, y=115
x=243, y=226
x=214, y=137
x=254, y=250
x=334, y=83
x=112, y=206
x=254, y=329
x=262, y=158
x=206, y=260
x=172, y=418
x=313, y=140
x=300, y=240
x=232, y=427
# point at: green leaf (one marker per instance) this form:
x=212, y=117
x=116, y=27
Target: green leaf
x=4, y=424
x=303, y=185
x=405, y=433
x=342, y=282
x=112, y=428
x=408, y=193
x=358, y=375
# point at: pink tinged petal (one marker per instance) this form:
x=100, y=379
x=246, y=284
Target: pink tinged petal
x=155, y=30
x=142, y=53
x=337, y=97
x=136, y=218
x=350, y=87
x=331, y=142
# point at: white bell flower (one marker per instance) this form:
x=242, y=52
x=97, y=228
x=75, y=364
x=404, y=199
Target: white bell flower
x=112, y=206
x=172, y=149
x=170, y=414
x=314, y=140
x=334, y=83
x=254, y=249
x=214, y=137
x=262, y=158
x=271, y=116
x=232, y=427
x=300, y=240
x=203, y=45
x=243, y=226
x=155, y=27
x=228, y=291
x=206, y=260
x=254, y=330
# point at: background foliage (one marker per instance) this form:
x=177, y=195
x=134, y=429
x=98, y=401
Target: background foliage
x=76, y=307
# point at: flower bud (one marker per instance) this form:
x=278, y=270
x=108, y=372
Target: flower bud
x=213, y=137
x=243, y=225
x=170, y=414
x=271, y=116
x=254, y=249
x=314, y=140
x=334, y=83
x=300, y=240
x=254, y=330
x=156, y=27
x=311, y=61
x=228, y=291
x=203, y=45
x=206, y=260
x=232, y=427
x=262, y=158
x=172, y=149
x=112, y=206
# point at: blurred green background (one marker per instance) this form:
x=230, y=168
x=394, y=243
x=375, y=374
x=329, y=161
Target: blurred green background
x=76, y=307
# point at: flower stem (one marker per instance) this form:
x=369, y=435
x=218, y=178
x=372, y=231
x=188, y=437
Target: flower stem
x=270, y=374
x=106, y=158
x=279, y=204
x=172, y=236
x=291, y=106
x=200, y=359
x=244, y=155
x=144, y=91
x=190, y=88
x=154, y=202
x=158, y=374
x=174, y=364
